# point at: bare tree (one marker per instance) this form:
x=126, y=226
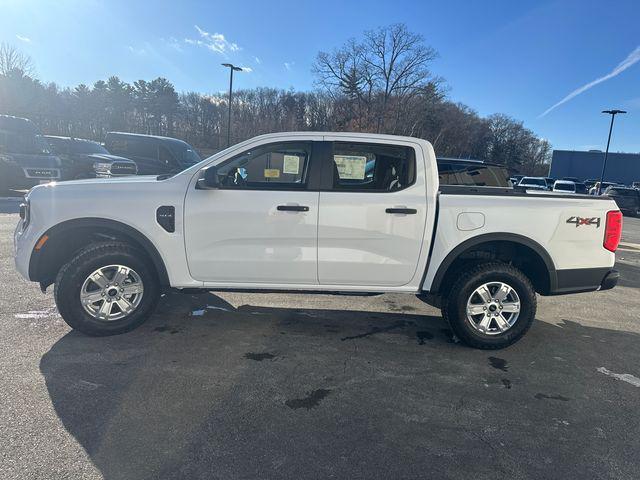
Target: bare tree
x=389, y=63
x=13, y=61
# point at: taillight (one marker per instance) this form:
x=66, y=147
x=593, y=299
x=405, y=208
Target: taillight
x=613, y=230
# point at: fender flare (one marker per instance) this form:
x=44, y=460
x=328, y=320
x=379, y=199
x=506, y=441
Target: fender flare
x=495, y=237
x=97, y=223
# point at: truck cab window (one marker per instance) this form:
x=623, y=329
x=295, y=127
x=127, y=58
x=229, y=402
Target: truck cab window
x=372, y=167
x=282, y=165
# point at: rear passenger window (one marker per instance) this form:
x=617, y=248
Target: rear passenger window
x=372, y=167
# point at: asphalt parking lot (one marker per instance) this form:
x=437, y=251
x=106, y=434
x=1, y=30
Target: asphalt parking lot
x=318, y=386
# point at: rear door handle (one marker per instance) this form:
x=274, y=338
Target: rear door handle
x=293, y=208
x=406, y=211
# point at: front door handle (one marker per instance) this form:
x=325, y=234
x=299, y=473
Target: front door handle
x=293, y=208
x=406, y=211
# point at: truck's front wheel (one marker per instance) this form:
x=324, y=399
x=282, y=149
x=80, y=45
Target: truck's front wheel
x=106, y=289
x=491, y=306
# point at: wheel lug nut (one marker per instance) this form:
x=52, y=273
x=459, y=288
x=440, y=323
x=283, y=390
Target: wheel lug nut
x=122, y=289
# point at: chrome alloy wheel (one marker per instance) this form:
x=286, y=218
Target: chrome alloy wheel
x=493, y=308
x=111, y=292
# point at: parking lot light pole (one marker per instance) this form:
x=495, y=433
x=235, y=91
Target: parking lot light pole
x=613, y=114
x=232, y=68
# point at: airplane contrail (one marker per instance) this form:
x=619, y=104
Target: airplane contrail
x=631, y=59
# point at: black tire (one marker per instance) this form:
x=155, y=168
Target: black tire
x=72, y=275
x=455, y=305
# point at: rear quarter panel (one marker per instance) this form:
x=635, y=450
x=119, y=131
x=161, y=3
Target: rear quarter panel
x=550, y=221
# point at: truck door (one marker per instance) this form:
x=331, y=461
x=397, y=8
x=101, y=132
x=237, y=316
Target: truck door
x=373, y=210
x=261, y=224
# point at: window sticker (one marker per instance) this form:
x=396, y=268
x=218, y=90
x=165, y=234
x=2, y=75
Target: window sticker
x=291, y=164
x=350, y=167
x=271, y=173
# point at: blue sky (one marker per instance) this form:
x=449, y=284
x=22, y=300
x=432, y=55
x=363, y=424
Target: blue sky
x=515, y=57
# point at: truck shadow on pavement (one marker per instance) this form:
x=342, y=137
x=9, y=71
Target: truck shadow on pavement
x=255, y=392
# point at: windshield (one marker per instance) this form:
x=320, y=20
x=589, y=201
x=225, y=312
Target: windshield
x=565, y=187
x=189, y=157
x=88, y=147
x=23, y=143
x=533, y=181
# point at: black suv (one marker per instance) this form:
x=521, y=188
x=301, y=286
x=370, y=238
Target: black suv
x=153, y=155
x=25, y=158
x=87, y=159
x=628, y=199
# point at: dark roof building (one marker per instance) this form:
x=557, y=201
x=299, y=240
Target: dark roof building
x=621, y=167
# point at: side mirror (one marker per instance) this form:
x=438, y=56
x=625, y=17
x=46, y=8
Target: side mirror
x=208, y=179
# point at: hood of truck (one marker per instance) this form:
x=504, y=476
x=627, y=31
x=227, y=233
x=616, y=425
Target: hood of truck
x=32, y=160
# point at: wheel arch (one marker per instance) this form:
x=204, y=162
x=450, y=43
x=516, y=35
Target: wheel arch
x=68, y=237
x=538, y=264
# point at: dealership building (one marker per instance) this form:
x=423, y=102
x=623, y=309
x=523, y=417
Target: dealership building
x=621, y=167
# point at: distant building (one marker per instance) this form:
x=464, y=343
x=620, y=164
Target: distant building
x=621, y=167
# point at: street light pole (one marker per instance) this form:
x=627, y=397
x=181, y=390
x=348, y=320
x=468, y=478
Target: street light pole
x=232, y=68
x=613, y=114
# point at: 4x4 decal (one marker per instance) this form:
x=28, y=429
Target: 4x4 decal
x=584, y=221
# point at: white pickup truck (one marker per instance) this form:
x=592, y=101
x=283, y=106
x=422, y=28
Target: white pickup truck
x=315, y=212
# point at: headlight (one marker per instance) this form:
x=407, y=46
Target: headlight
x=25, y=213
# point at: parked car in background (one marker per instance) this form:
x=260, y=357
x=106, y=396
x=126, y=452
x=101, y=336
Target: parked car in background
x=533, y=183
x=581, y=188
x=628, y=199
x=571, y=179
x=564, y=186
x=590, y=182
x=550, y=182
x=636, y=185
x=594, y=189
x=154, y=155
x=455, y=171
x=25, y=158
x=515, y=179
x=87, y=159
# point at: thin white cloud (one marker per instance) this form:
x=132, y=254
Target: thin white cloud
x=216, y=42
x=289, y=65
x=247, y=69
x=24, y=39
x=136, y=51
x=257, y=60
x=631, y=60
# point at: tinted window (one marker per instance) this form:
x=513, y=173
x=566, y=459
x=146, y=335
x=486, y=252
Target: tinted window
x=59, y=145
x=166, y=156
x=358, y=166
x=581, y=188
x=480, y=175
x=130, y=146
x=26, y=143
x=281, y=165
x=565, y=187
x=86, y=147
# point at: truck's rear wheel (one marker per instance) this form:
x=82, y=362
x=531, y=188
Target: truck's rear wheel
x=491, y=306
x=106, y=289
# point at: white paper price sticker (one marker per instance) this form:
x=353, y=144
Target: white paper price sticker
x=350, y=167
x=291, y=164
